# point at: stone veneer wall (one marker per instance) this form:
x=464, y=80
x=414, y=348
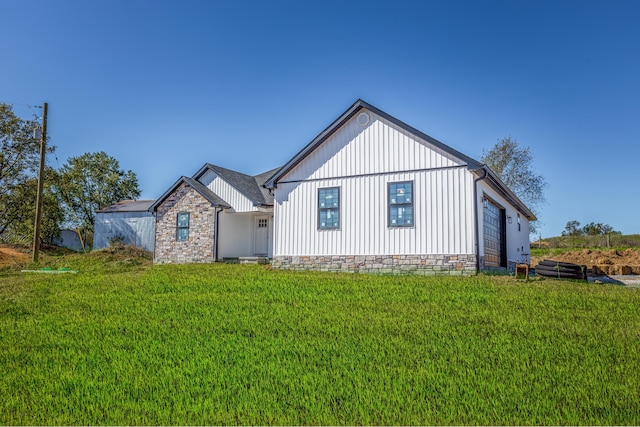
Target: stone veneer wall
x=426, y=265
x=199, y=247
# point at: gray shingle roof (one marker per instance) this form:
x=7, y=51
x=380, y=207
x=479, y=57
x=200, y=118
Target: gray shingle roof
x=261, y=179
x=128, y=206
x=250, y=186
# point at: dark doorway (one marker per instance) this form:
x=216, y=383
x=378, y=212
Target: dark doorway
x=494, y=235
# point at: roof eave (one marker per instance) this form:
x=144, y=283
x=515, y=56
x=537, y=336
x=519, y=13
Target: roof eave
x=505, y=192
x=214, y=169
x=315, y=142
x=262, y=205
x=166, y=194
x=193, y=184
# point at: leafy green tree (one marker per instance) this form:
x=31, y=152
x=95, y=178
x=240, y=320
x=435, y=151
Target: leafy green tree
x=592, y=229
x=600, y=229
x=19, y=158
x=607, y=229
x=52, y=214
x=572, y=229
x=92, y=181
x=514, y=165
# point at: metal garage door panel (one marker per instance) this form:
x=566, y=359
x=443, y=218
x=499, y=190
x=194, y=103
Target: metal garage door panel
x=492, y=235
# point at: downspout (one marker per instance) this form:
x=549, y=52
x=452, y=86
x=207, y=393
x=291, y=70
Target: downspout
x=215, y=234
x=475, y=211
x=155, y=226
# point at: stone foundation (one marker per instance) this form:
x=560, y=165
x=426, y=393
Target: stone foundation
x=426, y=265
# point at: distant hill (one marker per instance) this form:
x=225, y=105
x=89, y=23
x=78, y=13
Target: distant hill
x=619, y=241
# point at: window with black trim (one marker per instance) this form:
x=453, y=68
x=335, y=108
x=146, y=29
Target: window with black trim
x=182, y=226
x=519, y=228
x=400, y=204
x=328, y=208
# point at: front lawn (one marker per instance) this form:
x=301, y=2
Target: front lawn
x=234, y=344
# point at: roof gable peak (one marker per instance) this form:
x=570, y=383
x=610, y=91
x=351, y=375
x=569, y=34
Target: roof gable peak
x=346, y=116
x=197, y=186
x=249, y=186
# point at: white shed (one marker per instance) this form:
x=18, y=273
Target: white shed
x=129, y=221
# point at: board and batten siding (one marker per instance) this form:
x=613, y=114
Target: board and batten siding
x=238, y=201
x=379, y=147
x=443, y=217
x=362, y=161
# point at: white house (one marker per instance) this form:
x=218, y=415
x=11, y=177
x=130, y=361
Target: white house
x=372, y=194
x=368, y=194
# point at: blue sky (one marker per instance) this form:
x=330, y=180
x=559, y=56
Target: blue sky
x=165, y=86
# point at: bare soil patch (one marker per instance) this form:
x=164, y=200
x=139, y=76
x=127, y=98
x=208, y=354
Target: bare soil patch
x=11, y=255
x=600, y=262
x=15, y=257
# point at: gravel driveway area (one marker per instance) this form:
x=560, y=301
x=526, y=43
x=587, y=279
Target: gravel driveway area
x=629, y=280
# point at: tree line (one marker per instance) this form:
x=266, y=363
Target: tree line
x=576, y=234
x=71, y=194
x=592, y=229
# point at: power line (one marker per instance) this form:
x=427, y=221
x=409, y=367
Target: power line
x=23, y=104
x=31, y=107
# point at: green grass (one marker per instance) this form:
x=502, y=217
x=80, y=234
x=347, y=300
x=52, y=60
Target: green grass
x=123, y=342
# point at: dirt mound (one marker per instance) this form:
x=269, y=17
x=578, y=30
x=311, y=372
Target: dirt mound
x=16, y=256
x=600, y=262
x=120, y=252
x=13, y=255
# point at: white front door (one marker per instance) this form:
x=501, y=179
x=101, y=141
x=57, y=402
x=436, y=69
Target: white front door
x=262, y=236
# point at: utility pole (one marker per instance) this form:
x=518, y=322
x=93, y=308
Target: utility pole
x=43, y=150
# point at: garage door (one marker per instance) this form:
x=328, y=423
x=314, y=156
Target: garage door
x=493, y=234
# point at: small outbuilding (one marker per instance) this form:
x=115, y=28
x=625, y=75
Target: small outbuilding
x=128, y=222
x=69, y=239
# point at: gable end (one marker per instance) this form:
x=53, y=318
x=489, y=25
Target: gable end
x=337, y=124
x=197, y=186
